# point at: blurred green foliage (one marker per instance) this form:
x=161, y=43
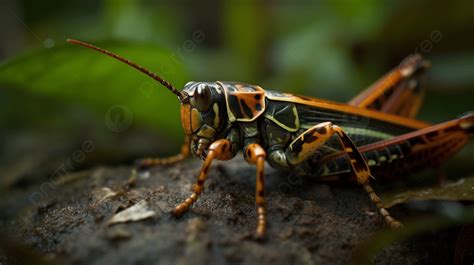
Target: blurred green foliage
x=75, y=74
x=326, y=49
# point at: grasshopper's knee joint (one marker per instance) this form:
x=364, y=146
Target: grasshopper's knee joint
x=253, y=152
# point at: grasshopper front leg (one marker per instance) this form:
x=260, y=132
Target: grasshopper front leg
x=312, y=139
x=220, y=149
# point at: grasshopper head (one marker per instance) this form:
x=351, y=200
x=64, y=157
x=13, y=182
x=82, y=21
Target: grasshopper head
x=202, y=114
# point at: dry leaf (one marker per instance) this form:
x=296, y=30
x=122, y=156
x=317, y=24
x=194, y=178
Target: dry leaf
x=134, y=213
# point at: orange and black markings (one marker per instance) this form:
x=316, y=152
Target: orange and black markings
x=357, y=161
x=312, y=139
x=404, y=154
x=245, y=102
x=245, y=106
x=362, y=173
x=308, y=142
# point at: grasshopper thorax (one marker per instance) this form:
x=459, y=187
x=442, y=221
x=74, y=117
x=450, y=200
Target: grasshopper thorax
x=202, y=114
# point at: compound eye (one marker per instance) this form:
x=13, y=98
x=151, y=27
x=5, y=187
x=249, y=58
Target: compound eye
x=202, y=98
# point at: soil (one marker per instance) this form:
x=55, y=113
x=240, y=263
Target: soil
x=65, y=220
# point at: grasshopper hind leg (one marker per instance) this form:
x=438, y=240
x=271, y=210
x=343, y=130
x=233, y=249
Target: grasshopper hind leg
x=308, y=143
x=385, y=214
x=399, y=92
x=362, y=171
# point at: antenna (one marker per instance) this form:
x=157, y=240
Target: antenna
x=132, y=64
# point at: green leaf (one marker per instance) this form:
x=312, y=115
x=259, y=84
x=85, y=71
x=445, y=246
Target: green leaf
x=78, y=75
x=462, y=190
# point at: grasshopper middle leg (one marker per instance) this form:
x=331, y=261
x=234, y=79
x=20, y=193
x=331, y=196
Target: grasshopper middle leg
x=255, y=154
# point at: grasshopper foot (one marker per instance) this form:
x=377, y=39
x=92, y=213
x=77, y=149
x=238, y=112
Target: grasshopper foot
x=396, y=225
x=261, y=223
x=184, y=206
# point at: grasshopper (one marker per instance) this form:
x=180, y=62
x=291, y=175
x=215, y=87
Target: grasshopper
x=374, y=134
